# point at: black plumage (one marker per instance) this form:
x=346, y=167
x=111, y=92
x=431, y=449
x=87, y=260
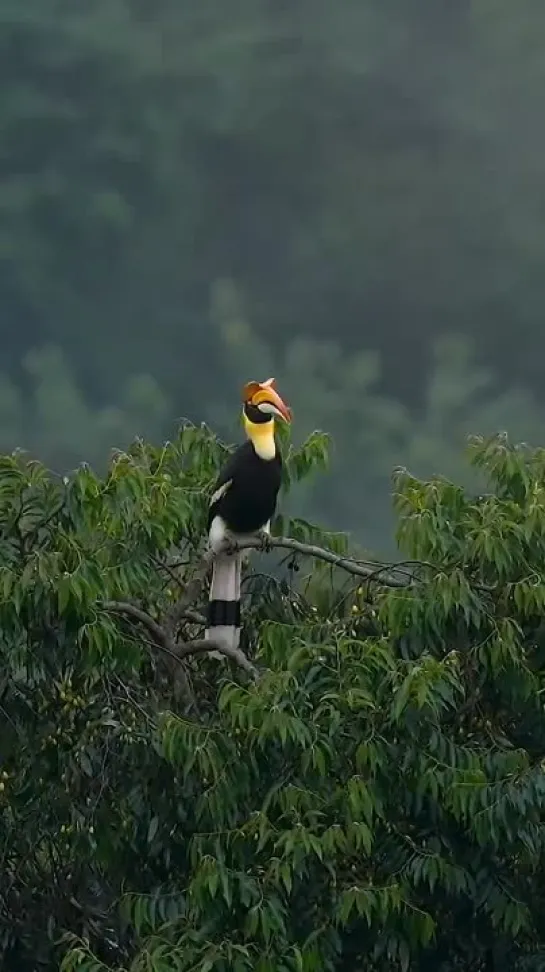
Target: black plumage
x=243, y=502
x=249, y=501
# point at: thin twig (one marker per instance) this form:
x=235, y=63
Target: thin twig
x=160, y=635
x=183, y=606
x=169, y=570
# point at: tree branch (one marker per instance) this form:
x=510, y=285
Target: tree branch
x=367, y=569
x=194, y=616
x=179, y=649
x=164, y=635
x=156, y=630
x=203, y=645
x=182, y=608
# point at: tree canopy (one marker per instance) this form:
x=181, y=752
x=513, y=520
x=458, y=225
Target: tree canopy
x=360, y=787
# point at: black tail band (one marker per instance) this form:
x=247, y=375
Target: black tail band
x=224, y=613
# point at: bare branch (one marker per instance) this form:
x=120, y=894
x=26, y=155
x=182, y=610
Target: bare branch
x=164, y=635
x=182, y=608
x=382, y=573
x=156, y=630
x=194, y=616
x=204, y=645
x=179, y=649
x=161, y=637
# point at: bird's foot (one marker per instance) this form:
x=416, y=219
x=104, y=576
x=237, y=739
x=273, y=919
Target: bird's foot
x=230, y=544
x=265, y=541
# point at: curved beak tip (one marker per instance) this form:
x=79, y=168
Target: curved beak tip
x=284, y=411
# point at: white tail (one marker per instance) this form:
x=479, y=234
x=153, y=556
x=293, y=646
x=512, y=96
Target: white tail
x=224, y=602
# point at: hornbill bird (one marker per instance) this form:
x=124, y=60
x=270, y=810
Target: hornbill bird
x=243, y=503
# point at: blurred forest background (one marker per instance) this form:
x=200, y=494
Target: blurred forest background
x=349, y=196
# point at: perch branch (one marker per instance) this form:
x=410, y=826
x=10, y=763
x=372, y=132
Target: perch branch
x=164, y=635
x=366, y=569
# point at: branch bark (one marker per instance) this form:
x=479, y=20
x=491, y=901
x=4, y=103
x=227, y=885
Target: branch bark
x=387, y=574
x=179, y=649
x=164, y=635
x=203, y=645
x=157, y=632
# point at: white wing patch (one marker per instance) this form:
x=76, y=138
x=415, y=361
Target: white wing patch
x=221, y=491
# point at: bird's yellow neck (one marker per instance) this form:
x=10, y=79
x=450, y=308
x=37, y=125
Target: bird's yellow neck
x=261, y=435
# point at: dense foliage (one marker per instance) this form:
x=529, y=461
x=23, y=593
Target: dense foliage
x=363, y=789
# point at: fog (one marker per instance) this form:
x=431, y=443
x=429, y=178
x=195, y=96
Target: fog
x=347, y=196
